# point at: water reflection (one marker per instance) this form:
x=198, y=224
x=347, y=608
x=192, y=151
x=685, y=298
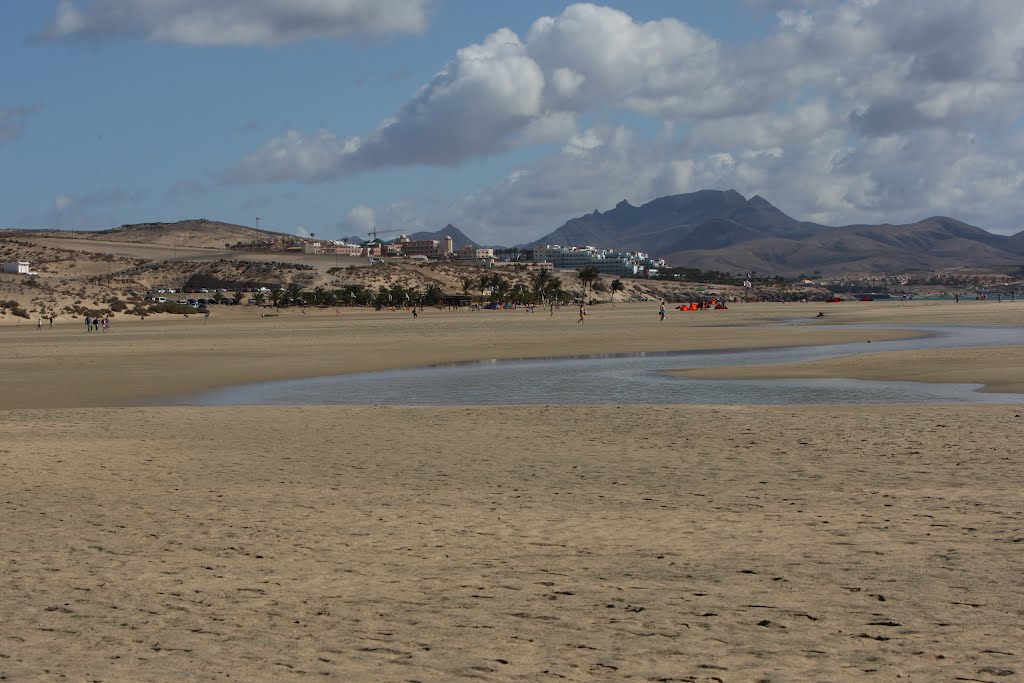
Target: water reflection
x=631, y=378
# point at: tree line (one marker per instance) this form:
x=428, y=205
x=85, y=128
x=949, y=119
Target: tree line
x=542, y=287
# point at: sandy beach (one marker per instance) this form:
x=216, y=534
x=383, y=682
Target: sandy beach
x=655, y=543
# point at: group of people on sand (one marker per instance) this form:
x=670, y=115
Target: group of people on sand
x=95, y=324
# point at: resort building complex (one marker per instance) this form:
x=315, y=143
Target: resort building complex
x=605, y=260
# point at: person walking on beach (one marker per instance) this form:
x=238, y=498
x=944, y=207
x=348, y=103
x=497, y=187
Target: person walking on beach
x=661, y=312
x=88, y=324
x=583, y=312
x=51, y=321
x=39, y=325
x=106, y=323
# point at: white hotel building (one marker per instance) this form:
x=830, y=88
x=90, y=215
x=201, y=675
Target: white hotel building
x=606, y=261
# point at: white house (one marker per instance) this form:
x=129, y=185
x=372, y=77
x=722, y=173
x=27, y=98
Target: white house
x=17, y=267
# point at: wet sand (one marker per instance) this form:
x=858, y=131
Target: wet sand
x=998, y=370
x=496, y=543
x=139, y=362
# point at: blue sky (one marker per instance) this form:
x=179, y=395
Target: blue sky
x=505, y=118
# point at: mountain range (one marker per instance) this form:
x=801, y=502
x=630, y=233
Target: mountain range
x=708, y=229
x=722, y=230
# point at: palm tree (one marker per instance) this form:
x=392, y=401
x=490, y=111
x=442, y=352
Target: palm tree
x=500, y=288
x=553, y=288
x=292, y=293
x=586, y=275
x=485, y=282
x=259, y=298
x=539, y=280
x=520, y=293
x=238, y=296
x=398, y=294
x=356, y=294
x=275, y=296
x=617, y=286
x=434, y=296
x=468, y=283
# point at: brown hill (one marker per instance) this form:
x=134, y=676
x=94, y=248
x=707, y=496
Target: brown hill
x=191, y=233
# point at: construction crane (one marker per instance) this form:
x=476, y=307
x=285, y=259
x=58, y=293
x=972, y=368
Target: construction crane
x=373, y=233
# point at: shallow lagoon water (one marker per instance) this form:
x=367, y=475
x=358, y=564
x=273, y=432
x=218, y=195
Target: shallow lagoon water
x=633, y=379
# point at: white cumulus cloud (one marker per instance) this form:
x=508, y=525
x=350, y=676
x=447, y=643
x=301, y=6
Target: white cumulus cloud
x=508, y=90
x=489, y=93
x=361, y=218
